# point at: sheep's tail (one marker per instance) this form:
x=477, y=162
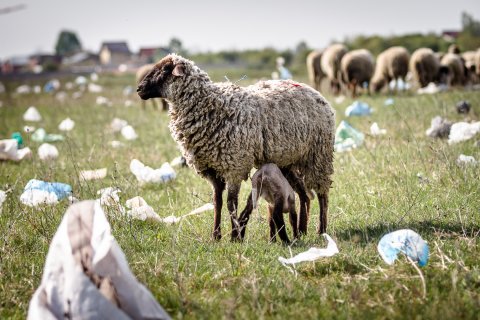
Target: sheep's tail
x=254, y=197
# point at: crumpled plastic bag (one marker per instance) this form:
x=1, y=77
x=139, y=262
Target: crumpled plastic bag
x=358, y=108
x=93, y=174
x=347, y=137
x=3, y=197
x=462, y=131
x=439, y=128
x=23, y=89
x=389, y=102
x=117, y=124
x=407, y=241
x=66, y=125
x=47, y=151
x=432, y=88
x=376, y=131
x=86, y=274
x=173, y=219
x=129, y=133
x=40, y=135
x=38, y=192
x=103, y=101
x=51, y=85
x=139, y=209
x=9, y=150
x=94, y=88
x=464, y=160
x=145, y=174
x=32, y=115
x=313, y=254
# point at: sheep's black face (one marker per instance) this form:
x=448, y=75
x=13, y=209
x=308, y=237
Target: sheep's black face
x=155, y=83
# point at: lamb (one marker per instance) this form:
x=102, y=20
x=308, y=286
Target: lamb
x=330, y=63
x=456, y=69
x=424, y=66
x=357, y=68
x=314, y=69
x=141, y=73
x=391, y=65
x=224, y=130
x=269, y=183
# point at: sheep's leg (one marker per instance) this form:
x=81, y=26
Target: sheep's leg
x=218, y=186
x=271, y=222
x=245, y=216
x=164, y=104
x=323, y=203
x=299, y=186
x=279, y=222
x=294, y=220
x=232, y=205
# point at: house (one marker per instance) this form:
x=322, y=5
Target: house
x=16, y=64
x=82, y=61
x=114, y=53
x=45, y=62
x=150, y=55
x=450, y=35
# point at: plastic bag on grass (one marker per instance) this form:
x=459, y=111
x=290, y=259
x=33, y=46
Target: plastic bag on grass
x=66, y=125
x=462, y=131
x=32, y=115
x=38, y=192
x=358, y=108
x=3, y=197
x=347, y=138
x=9, y=150
x=406, y=241
x=313, y=254
x=376, y=131
x=464, y=160
x=40, y=135
x=145, y=174
x=93, y=174
x=139, y=209
x=47, y=151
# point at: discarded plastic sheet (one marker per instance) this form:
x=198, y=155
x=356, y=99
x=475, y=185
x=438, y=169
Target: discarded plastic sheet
x=23, y=89
x=94, y=77
x=464, y=160
x=439, y=128
x=47, y=152
x=178, y=162
x=116, y=144
x=109, y=196
x=376, y=131
x=462, y=131
x=94, y=88
x=463, y=107
x=61, y=96
x=102, y=101
x=3, y=197
x=129, y=133
x=32, y=115
x=38, y=192
x=40, y=135
x=347, y=138
x=139, y=209
x=66, y=125
x=432, y=88
x=18, y=136
x=358, y=108
x=86, y=274
x=313, y=254
x=389, y=102
x=145, y=174
x=173, y=219
x=9, y=150
x=399, y=84
x=80, y=80
x=339, y=99
x=117, y=124
x=93, y=174
x=51, y=86
x=407, y=241
x=28, y=129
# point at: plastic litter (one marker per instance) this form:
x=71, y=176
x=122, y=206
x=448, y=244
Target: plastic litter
x=128, y=103
x=129, y=133
x=117, y=124
x=109, y=196
x=66, y=125
x=389, y=102
x=347, y=138
x=313, y=254
x=406, y=241
x=51, y=86
x=18, y=136
x=102, y=101
x=93, y=174
x=37, y=89
x=9, y=150
x=399, y=84
x=432, y=88
x=61, y=96
x=358, y=108
x=464, y=160
x=339, y=99
x=139, y=209
x=439, y=128
x=173, y=219
x=23, y=89
x=47, y=152
x=3, y=197
x=86, y=274
x=28, y=129
x=145, y=174
x=116, y=144
x=376, y=131
x=40, y=135
x=38, y=192
x=32, y=115
x=80, y=80
x=463, y=107
x=462, y=131
x=94, y=77
x=94, y=88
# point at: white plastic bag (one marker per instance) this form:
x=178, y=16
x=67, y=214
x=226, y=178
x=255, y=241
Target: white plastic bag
x=462, y=131
x=47, y=151
x=93, y=174
x=32, y=114
x=9, y=150
x=66, y=125
x=129, y=133
x=313, y=254
x=145, y=174
x=139, y=209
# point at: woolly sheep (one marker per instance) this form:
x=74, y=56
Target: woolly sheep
x=357, y=68
x=477, y=62
x=140, y=74
x=224, y=130
x=330, y=62
x=456, y=69
x=453, y=48
x=391, y=65
x=314, y=69
x=424, y=66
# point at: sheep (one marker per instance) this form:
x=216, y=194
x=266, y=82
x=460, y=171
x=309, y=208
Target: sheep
x=391, y=65
x=424, y=66
x=314, y=69
x=330, y=63
x=141, y=73
x=477, y=62
x=357, y=68
x=470, y=66
x=225, y=130
x=453, y=48
x=456, y=69
x=269, y=183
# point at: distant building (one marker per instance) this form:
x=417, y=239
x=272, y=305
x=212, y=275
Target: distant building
x=114, y=53
x=44, y=62
x=16, y=64
x=450, y=35
x=82, y=61
x=150, y=55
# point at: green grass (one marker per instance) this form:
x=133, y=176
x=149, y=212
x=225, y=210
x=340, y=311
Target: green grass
x=375, y=190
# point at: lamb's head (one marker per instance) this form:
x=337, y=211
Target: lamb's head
x=164, y=74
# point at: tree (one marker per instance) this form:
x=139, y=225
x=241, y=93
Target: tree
x=175, y=45
x=469, y=38
x=67, y=43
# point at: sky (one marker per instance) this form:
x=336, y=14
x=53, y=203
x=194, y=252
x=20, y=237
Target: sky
x=214, y=25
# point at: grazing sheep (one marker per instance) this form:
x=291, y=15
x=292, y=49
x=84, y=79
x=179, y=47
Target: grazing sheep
x=269, y=183
x=453, y=48
x=424, y=66
x=477, y=62
x=391, y=65
x=470, y=66
x=357, y=68
x=314, y=68
x=141, y=73
x=456, y=69
x=330, y=62
x=224, y=130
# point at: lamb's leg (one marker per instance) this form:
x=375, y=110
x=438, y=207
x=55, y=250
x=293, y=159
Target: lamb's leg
x=232, y=205
x=299, y=186
x=245, y=216
x=293, y=220
x=271, y=223
x=279, y=222
x=323, y=203
x=218, y=186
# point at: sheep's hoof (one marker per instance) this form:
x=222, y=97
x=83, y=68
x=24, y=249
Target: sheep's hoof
x=236, y=236
x=217, y=235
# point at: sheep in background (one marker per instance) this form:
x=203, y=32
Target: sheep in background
x=477, y=62
x=314, y=69
x=140, y=74
x=471, y=66
x=224, y=130
x=424, y=66
x=456, y=69
x=357, y=68
x=391, y=65
x=330, y=63
x=453, y=48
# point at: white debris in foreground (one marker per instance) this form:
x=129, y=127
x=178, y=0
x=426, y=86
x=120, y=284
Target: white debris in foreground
x=376, y=131
x=139, y=209
x=117, y=124
x=129, y=133
x=116, y=144
x=9, y=150
x=313, y=254
x=93, y=174
x=109, y=196
x=145, y=174
x=3, y=197
x=462, y=131
x=464, y=160
x=32, y=115
x=35, y=197
x=66, y=125
x=47, y=151
x=173, y=219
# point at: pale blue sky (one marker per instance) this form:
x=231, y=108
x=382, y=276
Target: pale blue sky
x=214, y=24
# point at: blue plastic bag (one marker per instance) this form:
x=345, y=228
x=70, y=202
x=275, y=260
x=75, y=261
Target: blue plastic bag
x=407, y=241
x=358, y=108
x=347, y=137
x=61, y=190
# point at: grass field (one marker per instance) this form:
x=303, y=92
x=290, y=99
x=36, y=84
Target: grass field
x=376, y=189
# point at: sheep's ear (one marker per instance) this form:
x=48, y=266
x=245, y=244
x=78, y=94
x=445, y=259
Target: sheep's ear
x=179, y=70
